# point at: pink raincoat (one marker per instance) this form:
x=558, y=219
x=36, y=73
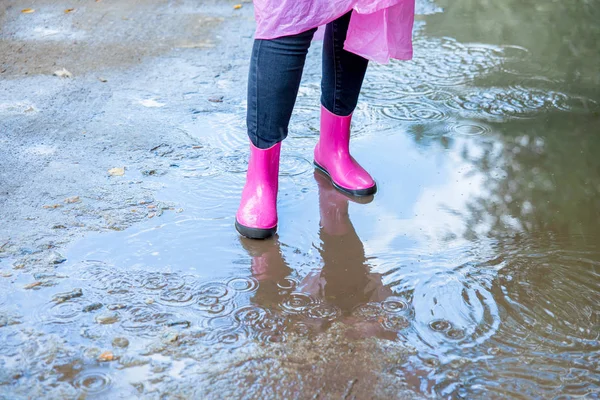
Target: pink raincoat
x=379, y=29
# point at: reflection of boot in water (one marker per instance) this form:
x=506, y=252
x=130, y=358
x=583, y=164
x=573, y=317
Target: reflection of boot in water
x=268, y=267
x=346, y=280
x=346, y=276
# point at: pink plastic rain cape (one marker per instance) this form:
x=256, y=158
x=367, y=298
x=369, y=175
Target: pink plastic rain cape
x=379, y=29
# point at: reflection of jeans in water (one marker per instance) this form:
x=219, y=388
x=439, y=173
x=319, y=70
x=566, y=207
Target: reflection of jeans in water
x=276, y=69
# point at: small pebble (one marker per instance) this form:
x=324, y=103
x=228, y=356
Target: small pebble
x=62, y=297
x=170, y=337
x=120, y=342
x=129, y=361
x=92, y=307
x=493, y=351
x=184, y=323
x=107, y=318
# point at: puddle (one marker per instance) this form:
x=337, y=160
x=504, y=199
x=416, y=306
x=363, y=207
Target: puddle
x=473, y=273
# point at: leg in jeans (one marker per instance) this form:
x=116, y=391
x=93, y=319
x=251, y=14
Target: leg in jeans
x=343, y=74
x=275, y=73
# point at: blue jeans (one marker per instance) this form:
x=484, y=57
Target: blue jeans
x=275, y=73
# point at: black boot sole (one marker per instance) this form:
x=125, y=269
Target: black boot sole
x=255, y=233
x=358, y=192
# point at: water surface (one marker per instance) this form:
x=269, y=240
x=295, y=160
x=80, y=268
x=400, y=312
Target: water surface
x=473, y=273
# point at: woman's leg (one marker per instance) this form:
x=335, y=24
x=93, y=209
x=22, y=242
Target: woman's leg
x=275, y=73
x=343, y=74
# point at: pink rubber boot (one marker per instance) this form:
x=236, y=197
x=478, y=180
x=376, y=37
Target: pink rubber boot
x=332, y=157
x=257, y=216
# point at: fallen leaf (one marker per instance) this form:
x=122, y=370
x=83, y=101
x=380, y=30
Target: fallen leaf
x=69, y=10
x=106, y=356
x=73, y=199
x=216, y=99
x=151, y=103
x=151, y=206
x=52, y=206
x=237, y=6
x=27, y=10
x=103, y=80
x=117, y=171
x=151, y=215
x=32, y=285
x=6, y=274
x=63, y=73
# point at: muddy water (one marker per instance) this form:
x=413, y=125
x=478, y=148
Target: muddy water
x=473, y=273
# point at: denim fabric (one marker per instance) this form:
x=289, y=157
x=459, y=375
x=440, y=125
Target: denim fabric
x=343, y=72
x=276, y=69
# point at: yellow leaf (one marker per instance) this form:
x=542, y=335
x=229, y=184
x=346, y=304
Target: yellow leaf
x=69, y=10
x=237, y=6
x=106, y=356
x=27, y=10
x=74, y=199
x=117, y=171
x=63, y=73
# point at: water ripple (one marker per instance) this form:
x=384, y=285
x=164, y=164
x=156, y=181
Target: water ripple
x=414, y=111
x=158, y=281
x=146, y=320
x=243, y=285
x=298, y=303
x=93, y=382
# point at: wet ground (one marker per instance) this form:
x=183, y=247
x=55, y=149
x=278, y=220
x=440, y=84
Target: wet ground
x=473, y=273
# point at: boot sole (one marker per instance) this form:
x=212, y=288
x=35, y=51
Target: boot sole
x=352, y=192
x=255, y=233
